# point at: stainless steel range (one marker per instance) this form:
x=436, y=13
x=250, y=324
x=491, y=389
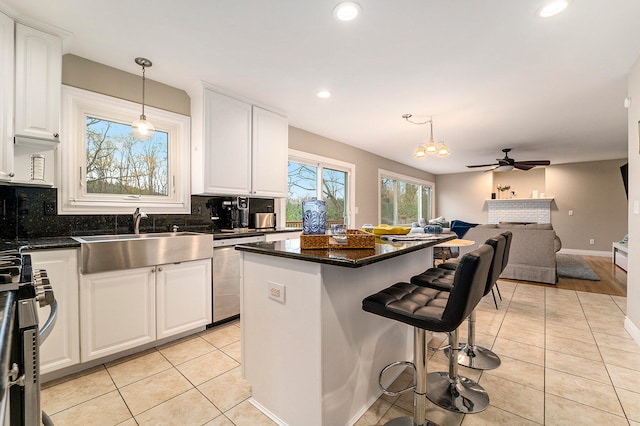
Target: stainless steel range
x=21, y=291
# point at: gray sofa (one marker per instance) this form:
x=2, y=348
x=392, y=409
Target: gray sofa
x=533, y=250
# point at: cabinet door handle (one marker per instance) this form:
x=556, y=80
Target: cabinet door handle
x=153, y=270
x=159, y=269
x=56, y=135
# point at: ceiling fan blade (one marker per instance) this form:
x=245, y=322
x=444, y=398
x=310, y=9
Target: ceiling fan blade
x=523, y=166
x=535, y=162
x=482, y=165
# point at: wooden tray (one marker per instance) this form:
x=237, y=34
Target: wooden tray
x=353, y=239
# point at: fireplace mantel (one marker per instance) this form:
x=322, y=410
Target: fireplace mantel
x=536, y=210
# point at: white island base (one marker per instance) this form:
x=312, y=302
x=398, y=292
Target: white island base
x=314, y=358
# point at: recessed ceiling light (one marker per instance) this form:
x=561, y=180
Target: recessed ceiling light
x=323, y=94
x=346, y=11
x=553, y=8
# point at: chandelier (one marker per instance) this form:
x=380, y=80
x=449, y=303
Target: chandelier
x=431, y=147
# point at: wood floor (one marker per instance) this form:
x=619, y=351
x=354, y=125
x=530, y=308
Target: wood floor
x=613, y=280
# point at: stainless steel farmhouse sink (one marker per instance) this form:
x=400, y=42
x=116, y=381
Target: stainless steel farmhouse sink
x=102, y=253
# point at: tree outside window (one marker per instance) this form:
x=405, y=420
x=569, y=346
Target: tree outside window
x=117, y=163
x=403, y=202
x=307, y=181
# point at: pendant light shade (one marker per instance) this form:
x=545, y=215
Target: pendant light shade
x=430, y=147
x=142, y=129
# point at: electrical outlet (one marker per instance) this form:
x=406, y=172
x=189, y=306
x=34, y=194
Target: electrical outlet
x=197, y=210
x=592, y=241
x=276, y=291
x=50, y=208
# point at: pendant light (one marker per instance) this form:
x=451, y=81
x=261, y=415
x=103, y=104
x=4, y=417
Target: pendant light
x=142, y=129
x=430, y=147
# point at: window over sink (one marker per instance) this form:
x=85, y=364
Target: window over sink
x=104, y=169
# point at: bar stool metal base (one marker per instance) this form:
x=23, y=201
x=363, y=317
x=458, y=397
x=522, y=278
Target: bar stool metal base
x=476, y=357
x=407, y=421
x=460, y=395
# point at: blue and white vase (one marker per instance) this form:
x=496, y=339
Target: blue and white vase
x=314, y=216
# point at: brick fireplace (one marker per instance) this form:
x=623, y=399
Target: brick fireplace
x=537, y=210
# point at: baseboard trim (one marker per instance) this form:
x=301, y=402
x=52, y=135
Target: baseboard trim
x=598, y=253
x=632, y=330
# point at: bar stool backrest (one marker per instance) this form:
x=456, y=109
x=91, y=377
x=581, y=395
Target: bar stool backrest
x=498, y=244
x=468, y=286
x=508, y=236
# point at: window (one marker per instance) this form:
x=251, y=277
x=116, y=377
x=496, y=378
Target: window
x=105, y=170
x=330, y=180
x=403, y=199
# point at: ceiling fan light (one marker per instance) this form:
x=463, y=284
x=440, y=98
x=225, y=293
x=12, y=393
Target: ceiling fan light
x=505, y=168
x=443, y=151
x=421, y=152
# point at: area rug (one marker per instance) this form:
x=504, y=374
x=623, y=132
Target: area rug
x=572, y=266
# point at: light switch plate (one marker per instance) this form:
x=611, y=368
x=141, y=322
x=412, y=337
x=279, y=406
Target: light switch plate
x=275, y=291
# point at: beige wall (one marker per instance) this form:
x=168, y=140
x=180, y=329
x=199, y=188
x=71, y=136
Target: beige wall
x=633, y=274
x=367, y=165
x=520, y=181
x=595, y=193
x=85, y=74
x=462, y=196
x=593, y=190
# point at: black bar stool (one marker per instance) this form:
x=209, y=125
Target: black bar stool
x=470, y=354
x=436, y=310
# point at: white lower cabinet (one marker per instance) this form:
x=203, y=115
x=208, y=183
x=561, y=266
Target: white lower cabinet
x=117, y=311
x=121, y=310
x=183, y=297
x=62, y=347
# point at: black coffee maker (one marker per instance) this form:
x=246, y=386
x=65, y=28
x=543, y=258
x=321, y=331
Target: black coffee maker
x=229, y=212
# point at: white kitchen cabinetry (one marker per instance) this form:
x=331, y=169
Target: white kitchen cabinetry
x=282, y=236
x=62, y=347
x=269, y=154
x=244, y=148
x=117, y=311
x=6, y=97
x=183, y=294
x=124, y=309
x=38, y=77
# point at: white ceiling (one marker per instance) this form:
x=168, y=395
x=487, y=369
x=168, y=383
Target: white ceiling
x=491, y=73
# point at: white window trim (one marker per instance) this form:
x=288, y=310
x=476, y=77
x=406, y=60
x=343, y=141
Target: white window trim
x=408, y=179
x=330, y=163
x=72, y=196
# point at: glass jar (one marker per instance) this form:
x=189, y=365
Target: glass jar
x=314, y=217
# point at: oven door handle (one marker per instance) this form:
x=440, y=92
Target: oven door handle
x=45, y=330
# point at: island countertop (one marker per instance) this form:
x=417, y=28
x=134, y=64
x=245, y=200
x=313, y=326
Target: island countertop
x=353, y=258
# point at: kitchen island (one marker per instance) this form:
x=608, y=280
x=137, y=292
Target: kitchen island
x=310, y=353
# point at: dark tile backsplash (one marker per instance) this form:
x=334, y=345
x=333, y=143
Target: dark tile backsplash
x=29, y=212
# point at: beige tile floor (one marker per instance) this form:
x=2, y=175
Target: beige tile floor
x=566, y=360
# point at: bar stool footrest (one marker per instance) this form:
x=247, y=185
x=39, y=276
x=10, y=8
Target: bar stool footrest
x=400, y=392
x=407, y=421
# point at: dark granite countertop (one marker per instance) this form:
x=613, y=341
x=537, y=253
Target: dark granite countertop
x=353, y=258
x=68, y=242
x=219, y=235
x=40, y=243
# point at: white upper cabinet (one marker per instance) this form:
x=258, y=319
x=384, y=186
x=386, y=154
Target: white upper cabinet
x=242, y=149
x=38, y=78
x=269, y=154
x=227, y=138
x=6, y=97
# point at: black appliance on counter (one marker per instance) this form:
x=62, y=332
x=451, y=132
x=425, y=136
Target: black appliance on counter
x=21, y=291
x=228, y=213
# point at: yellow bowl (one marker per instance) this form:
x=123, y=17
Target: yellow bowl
x=390, y=230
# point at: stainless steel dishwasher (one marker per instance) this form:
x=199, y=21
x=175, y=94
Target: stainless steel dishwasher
x=227, y=270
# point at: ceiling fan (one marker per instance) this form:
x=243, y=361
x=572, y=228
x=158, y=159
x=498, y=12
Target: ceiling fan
x=506, y=164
